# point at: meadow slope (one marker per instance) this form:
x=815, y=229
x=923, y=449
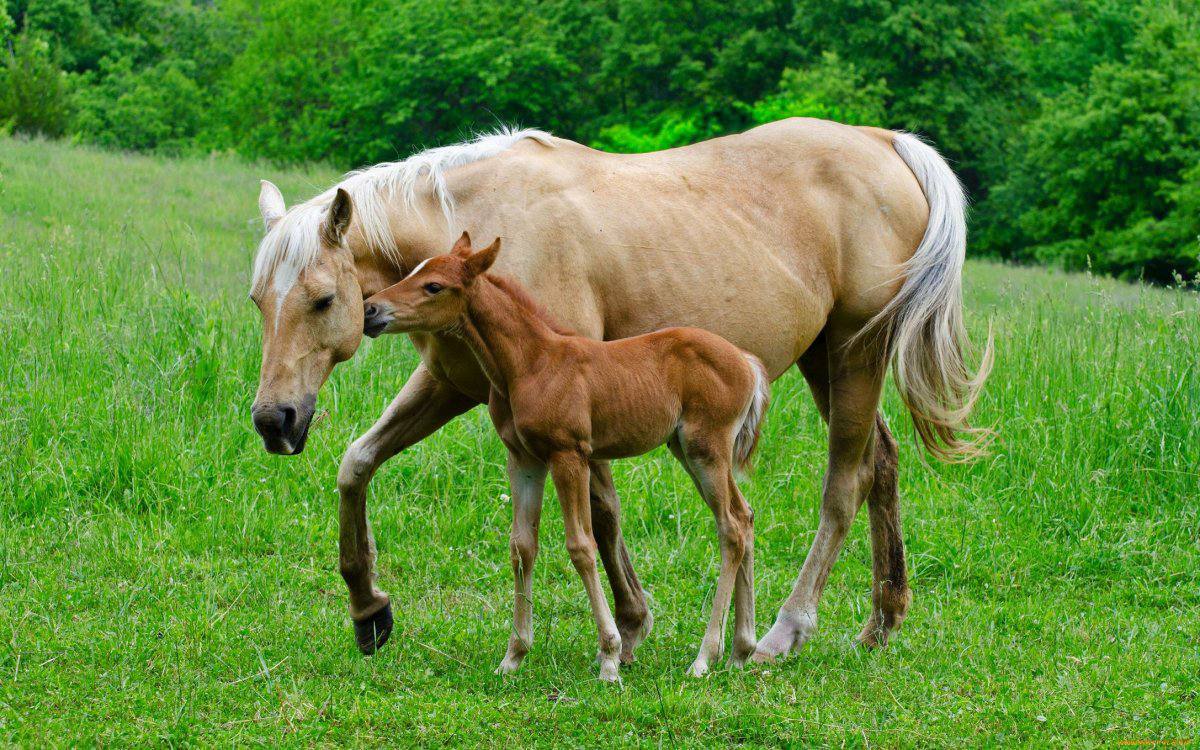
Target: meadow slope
x=163, y=580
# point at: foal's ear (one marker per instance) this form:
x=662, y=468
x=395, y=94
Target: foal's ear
x=481, y=261
x=270, y=204
x=339, y=217
x=462, y=248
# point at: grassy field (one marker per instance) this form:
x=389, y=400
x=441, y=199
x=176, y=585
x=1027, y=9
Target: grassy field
x=163, y=580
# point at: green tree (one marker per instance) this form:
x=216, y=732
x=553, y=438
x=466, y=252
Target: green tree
x=1108, y=174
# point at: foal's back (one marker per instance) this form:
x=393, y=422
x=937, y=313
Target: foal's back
x=629, y=396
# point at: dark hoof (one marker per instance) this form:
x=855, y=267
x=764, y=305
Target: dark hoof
x=372, y=632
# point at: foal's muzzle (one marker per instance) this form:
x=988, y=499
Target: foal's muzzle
x=375, y=320
x=284, y=427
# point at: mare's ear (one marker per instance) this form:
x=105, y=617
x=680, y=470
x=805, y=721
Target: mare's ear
x=462, y=248
x=481, y=261
x=270, y=204
x=339, y=217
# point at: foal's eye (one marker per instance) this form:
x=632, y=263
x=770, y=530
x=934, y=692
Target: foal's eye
x=323, y=304
x=433, y=287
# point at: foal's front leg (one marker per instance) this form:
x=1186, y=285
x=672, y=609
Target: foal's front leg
x=570, y=472
x=527, y=482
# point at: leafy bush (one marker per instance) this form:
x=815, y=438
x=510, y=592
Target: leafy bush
x=830, y=89
x=665, y=131
x=33, y=91
x=154, y=109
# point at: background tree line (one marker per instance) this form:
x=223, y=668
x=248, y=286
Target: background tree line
x=1074, y=123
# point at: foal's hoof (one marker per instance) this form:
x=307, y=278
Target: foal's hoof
x=373, y=631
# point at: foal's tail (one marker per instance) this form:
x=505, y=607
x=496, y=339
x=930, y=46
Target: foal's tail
x=923, y=324
x=750, y=425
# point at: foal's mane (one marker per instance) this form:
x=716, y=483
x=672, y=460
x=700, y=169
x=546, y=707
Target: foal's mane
x=294, y=243
x=527, y=303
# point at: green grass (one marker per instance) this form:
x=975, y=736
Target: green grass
x=163, y=580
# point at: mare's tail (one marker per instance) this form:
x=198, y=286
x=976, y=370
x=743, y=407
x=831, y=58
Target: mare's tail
x=923, y=325
x=746, y=439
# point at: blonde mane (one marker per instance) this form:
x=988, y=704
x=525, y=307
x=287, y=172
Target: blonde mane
x=294, y=242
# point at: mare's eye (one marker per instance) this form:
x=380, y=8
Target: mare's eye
x=433, y=287
x=323, y=304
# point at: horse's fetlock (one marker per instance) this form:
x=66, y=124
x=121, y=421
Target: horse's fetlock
x=610, y=643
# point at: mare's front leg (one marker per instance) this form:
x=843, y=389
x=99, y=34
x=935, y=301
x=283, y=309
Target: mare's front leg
x=422, y=406
x=527, y=482
x=570, y=472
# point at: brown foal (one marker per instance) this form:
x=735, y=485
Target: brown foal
x=559, y=401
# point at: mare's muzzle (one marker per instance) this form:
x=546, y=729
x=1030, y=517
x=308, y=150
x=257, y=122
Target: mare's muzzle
x=284, y=427
x=375, y=320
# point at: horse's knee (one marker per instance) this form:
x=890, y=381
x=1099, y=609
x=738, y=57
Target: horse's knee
x=887, y=459
x=583, y=553
x=735, y=542
x=522, y=550
x=357, y=467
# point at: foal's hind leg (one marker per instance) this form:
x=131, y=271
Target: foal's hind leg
x=744, y=635
x=856, y=378
x=706, y=457
x=890, y=595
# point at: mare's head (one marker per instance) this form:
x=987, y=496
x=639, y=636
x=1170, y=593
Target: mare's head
x=434, y=296
x=307, y=290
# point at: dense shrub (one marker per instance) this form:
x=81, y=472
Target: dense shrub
x=158, y=108
x=33, y=91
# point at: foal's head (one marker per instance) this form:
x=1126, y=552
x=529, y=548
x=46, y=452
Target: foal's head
x=434, y=296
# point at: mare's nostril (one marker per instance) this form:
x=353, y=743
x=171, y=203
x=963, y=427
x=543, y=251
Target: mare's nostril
x=287, y=419
x=370, y=311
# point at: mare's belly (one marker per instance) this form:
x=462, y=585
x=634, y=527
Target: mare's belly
x=741, y=295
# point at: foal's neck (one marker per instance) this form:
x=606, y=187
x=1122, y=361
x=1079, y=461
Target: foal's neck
x=503, y=332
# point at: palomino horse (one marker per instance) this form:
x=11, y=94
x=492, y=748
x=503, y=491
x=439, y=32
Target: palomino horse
x=559, y=400
x=835, y=248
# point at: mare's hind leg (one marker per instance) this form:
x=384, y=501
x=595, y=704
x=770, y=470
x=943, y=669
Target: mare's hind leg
x=706, y=456
x=855, y=382
x=634, y=620
x=527, y=482
x=890, y=595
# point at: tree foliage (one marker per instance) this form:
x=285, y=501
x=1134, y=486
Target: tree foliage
x=1073, y=123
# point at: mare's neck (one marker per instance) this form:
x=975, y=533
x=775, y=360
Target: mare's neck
x=418, y=232
x=503, y=333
